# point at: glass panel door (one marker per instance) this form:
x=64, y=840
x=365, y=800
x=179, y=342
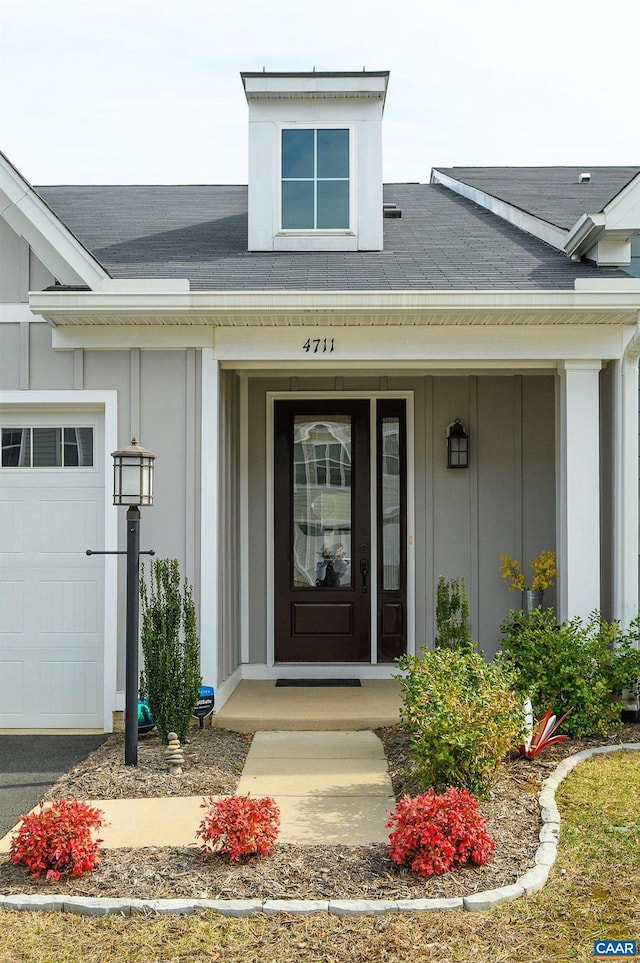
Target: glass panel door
x=322, y=511
x=322, y=501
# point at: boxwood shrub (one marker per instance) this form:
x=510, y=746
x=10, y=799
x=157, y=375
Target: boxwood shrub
x=463, y=716
x=576, y=666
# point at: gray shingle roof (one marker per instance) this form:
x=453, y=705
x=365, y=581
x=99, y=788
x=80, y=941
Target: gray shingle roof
x=551, y=193
x=442, y=242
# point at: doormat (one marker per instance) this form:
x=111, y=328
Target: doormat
x=318, y=683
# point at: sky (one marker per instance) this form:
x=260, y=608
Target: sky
x=149, y=91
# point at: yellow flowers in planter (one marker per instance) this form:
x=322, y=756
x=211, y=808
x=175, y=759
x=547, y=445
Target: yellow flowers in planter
x=544, y=572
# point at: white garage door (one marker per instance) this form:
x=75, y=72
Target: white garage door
x=51, y=593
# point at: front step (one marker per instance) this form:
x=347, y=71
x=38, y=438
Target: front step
x=258, y=706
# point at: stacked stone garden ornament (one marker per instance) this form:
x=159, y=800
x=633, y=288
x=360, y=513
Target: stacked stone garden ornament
x=174, y=755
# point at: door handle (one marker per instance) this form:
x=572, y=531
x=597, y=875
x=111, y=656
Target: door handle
x=364, y=571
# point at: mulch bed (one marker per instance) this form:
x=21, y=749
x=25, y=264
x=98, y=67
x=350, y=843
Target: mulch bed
x=213, y=762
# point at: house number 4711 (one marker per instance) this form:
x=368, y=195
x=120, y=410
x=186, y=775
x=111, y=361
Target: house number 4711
x=319, y=345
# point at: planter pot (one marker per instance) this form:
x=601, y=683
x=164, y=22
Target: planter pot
x=531, y=600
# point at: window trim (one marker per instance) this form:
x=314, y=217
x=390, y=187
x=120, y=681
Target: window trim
x=57, y=426
x=316, y=231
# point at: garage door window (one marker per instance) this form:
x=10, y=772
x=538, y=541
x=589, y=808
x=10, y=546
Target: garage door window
x=47, y=447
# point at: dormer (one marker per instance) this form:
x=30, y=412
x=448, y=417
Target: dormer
x=315, y=160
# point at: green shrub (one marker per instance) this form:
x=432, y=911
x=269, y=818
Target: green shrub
x=463, y=716
x=573, y=666
x=171, y=676
x=452, y=616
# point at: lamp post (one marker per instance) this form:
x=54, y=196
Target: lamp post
x=132, y=486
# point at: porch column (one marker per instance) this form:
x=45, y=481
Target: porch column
x=209, y=536
x=625, y=507
x=578, y=511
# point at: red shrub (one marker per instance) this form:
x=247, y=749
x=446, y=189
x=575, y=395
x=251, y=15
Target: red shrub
x=239, y=826
x=434, y=834
x=57, y=839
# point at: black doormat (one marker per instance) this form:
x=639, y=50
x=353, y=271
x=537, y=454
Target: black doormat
x=319, y=683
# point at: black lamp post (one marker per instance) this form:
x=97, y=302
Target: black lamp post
x=132, y=486
x=457, y=445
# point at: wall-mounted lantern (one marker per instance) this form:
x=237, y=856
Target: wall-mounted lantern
x=457, y=445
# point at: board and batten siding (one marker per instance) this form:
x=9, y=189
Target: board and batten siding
x=159, y=402
x=464, y=520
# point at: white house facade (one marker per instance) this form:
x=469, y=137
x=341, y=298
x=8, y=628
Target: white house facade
x=296, y=354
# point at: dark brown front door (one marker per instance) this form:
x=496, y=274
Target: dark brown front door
x=322, y=558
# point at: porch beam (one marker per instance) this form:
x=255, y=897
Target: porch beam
x=578, y=511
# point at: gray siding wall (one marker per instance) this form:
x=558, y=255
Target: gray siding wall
x=159, y=402
x=464, y=520
x=20, y=269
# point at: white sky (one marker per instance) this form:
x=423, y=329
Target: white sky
x=148, y=91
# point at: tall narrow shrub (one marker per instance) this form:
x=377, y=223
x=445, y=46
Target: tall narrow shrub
x=452, y=616
x=171, y=677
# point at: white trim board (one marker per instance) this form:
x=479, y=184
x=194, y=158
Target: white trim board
x=51, y=241
x=453, y=345
x=273, y=396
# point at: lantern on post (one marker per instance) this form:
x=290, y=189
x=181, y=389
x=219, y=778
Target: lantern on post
x=457, y=445
x=132, y=486
x=133, y=475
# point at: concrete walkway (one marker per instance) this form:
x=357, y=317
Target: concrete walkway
x=330, y=787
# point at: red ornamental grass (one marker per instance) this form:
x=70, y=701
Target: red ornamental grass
x=543, y=735
x=239, y=826
x=435, y=833
x=57, y=839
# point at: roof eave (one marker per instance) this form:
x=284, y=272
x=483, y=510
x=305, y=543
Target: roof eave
x=611, y=301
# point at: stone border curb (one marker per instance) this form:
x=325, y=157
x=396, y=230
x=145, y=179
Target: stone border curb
x=532, y=881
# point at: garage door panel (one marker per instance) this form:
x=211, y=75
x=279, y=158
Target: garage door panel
x=69, y=607
x=11, y=691
x=11, y=607
x=52, y=596
x=69, y=687
x=59, y=606
x=67, y=527
x=11, y=525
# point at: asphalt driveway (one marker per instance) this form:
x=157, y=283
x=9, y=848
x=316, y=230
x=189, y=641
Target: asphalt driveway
x=30, y=764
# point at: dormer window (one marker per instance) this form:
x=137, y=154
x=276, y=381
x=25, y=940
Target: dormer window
x=315, y=179
x=315, y=160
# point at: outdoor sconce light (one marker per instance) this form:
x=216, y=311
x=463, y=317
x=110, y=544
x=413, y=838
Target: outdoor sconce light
x=457, y=445
x=133, y=475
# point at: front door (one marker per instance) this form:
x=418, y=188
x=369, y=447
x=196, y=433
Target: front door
x=322, y=551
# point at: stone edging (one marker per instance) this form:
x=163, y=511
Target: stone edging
x=532, y=881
